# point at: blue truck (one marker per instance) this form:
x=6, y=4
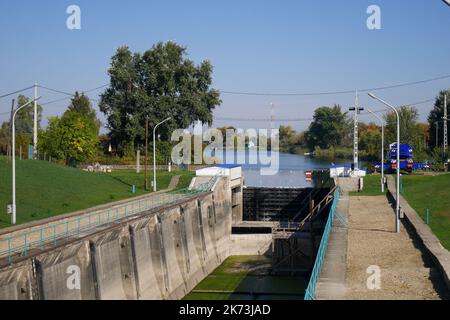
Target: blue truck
x=406, y=160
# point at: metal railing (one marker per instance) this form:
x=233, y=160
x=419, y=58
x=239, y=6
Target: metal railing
x=53, y=233
x=310, y=292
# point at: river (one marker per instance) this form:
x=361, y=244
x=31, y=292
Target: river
x=291, y=172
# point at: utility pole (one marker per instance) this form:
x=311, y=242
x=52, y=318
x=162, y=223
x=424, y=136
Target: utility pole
x=357, y=110
x=436, y=124
x=272, y=116
x=146, y=155
x=10, y=130
x=35, y=128
x=445, y=125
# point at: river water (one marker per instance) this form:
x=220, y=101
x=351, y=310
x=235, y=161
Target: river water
x=290, y=173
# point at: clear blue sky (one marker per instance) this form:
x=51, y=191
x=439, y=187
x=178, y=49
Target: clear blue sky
x=254, y=45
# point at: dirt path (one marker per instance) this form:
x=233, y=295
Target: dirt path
x=405, y=271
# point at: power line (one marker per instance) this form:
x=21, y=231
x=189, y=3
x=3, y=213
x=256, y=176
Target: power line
x=55, y=90
x=15, y=92
x=307, y=119
x=406, y=84
x=95, y=89
x=64, y=99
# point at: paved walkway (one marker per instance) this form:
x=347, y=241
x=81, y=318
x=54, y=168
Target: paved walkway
x=406, y=272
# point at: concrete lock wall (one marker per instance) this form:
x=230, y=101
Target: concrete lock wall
x=161, y=254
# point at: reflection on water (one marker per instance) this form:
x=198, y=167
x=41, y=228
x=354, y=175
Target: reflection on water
x=291, y=172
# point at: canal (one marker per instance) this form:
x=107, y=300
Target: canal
x=291, y=168
x=251, y=277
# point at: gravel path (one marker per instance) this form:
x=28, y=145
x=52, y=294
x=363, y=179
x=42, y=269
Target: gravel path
x=405, y=272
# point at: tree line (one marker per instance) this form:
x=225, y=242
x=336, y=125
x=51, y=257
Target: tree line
x=162, y=82
x=330, y=134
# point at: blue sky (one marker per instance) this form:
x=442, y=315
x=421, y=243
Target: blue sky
x=256, y=46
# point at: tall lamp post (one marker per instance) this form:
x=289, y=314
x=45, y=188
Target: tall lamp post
x=154, y=151
x=13, y=119
x=397, y=207
x=382, y=146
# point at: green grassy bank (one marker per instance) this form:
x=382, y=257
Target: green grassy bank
x=432, y=192
x=45, y=189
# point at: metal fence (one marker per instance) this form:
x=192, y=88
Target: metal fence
x=310, y=292
x=72, y=228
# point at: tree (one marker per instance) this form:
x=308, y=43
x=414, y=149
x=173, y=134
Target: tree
x=82, y=105
x=25, y=117
x=435, y=119
x=327, y=129
x=158, y=84
x=72, y=138
x=370, y=141
x=411, y=132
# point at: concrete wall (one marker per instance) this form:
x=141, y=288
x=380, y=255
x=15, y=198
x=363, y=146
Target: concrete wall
x=162, y=254
x=251, y=245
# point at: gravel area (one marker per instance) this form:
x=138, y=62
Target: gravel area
x=406, y=272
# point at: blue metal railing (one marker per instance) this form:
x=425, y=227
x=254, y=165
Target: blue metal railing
x=310, y=292
x=40, y=237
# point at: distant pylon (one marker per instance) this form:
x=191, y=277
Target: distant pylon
x=272, y=116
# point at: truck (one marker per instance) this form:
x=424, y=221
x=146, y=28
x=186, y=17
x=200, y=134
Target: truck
x=406, y=160
x=406, y=157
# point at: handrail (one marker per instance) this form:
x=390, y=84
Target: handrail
x=311, y=194
x=310, y=292
x=318, y=205
x=40, y=237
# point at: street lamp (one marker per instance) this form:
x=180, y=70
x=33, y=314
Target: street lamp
x=382, y=147
x=13, y=119
x=154, y=152
x=397, y=207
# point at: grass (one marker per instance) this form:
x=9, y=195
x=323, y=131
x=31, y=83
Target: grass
x=432, y=192
x=45, y=190
x=372, y=186
x=234, y=275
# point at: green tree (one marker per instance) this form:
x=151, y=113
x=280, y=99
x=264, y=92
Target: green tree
x=160, y=83
x=411, y=131
x=327, y=129
x=72, y=138
x=370, y=141
x=82, y=105
x=25, y=117
x=435, y=119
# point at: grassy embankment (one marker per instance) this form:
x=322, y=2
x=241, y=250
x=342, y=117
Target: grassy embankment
x=432, y=192
x=236, y=275
x=45, y=189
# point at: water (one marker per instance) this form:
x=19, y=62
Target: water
x=291, y=171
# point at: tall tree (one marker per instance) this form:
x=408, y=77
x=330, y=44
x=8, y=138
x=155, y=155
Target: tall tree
x=411, y=131
x=435, y=119
x=160, y=83
x=72, y=138
x=82, y=105
x=25, y=117
x=327, y=129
